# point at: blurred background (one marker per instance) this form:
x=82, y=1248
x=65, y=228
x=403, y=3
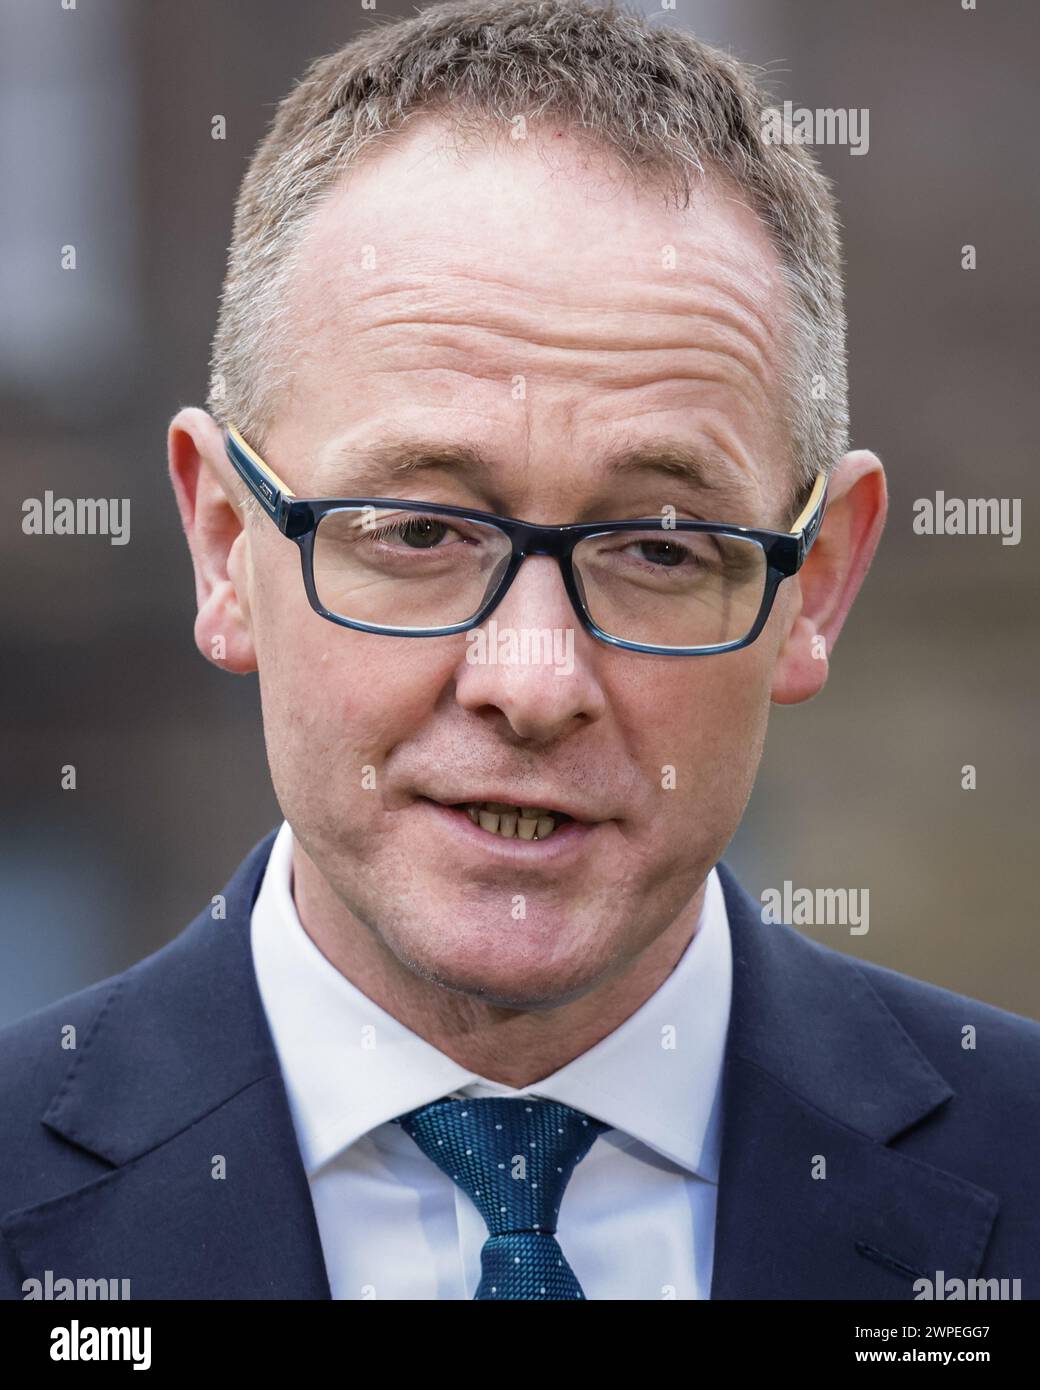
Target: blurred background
x=105, y=119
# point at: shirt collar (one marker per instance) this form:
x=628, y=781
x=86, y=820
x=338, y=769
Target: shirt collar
x=349, y=1066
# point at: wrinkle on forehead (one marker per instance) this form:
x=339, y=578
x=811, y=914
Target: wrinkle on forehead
x=585, y=341
x=421, y=213
x=497, y=266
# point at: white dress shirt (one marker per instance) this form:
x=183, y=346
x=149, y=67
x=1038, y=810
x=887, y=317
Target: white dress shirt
x=637, y=1219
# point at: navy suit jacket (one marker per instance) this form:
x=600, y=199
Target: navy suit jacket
x=931, y=1150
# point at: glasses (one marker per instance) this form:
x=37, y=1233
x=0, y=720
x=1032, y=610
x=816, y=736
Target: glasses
x=405, y=568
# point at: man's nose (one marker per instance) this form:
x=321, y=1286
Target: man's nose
x=532, y=659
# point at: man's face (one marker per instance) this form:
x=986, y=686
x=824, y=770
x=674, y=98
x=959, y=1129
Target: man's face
x=531, y=306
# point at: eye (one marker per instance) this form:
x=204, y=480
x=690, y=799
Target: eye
x=417, y=532
x=667, y=554
x=663, y=552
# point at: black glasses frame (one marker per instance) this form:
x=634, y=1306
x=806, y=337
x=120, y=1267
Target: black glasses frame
x=298, y=517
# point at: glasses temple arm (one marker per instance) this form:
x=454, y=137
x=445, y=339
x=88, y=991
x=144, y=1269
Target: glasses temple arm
x=262, y=481
x=808, y=522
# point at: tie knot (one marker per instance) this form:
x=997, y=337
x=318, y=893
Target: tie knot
x=513, y=1157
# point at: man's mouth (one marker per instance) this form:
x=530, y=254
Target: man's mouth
x=513, y=822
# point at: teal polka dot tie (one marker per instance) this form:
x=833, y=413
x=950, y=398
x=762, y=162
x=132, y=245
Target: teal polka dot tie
x=513, y=1157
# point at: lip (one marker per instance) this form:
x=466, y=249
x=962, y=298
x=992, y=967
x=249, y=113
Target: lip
x=567, y=842
x=550, y=803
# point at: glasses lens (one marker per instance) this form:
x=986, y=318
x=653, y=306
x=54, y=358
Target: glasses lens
x=399, y=568
x=672, y=588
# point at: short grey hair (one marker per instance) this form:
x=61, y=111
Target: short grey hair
x=669, y=106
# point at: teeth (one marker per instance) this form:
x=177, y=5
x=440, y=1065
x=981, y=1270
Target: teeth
x=512, y=822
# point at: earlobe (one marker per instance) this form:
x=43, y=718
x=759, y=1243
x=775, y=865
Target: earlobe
x=831, y=576
x=213, y=527
x=223, y=627
x=802, y=666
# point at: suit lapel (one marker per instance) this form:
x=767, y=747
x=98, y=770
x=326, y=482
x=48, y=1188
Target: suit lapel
x=177, y=1087
x=821, y=1077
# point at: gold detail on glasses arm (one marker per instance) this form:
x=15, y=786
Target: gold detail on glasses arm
x=255, y=458
x=812, y=504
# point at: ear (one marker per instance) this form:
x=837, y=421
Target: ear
x=211, y=514
x=831, y=576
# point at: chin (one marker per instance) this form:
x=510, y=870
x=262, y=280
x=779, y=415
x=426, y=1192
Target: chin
x=516, y=976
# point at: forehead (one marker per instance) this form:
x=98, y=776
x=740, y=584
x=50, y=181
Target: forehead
x=456, y=266
x=534, y=212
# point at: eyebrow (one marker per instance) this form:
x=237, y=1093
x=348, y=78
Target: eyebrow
x=707, y=470
x=374, y=464
x=704, y=469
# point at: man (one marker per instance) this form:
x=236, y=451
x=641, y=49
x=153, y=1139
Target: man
x=487, y=1016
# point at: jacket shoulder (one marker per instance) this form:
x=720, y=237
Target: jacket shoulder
x=966, y=1039
x=38, y=1051
x=958, y=1025
x=38, y=1054
x=991, y=1059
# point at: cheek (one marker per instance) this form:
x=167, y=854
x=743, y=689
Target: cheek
x=712, y=735
x=335, y=702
